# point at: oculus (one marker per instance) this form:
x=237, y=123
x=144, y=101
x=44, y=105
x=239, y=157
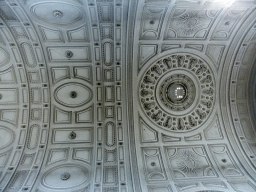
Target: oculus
x=177, y=92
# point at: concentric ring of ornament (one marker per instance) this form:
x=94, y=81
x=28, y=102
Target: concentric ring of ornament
x=192, y=107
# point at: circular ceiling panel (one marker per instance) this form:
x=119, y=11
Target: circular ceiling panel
x=177, y=92
x=57, y=13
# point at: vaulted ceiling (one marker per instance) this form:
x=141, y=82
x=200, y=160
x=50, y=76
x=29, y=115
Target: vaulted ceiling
x=127, y=95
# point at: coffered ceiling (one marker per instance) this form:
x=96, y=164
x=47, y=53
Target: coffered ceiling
x=127, y=96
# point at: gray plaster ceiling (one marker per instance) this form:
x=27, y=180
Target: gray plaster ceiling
x=127, y=95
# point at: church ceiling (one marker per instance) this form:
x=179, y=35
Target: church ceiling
x=127, y=96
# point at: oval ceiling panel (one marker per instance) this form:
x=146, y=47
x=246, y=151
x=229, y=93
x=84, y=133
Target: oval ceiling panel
x=66, y=176
x=57, y=13
x=6, y=137
x=73, y=94
x=4, y=57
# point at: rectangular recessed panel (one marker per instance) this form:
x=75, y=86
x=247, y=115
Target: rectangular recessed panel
x=36, y=95
x=80, y=135
x=109, y=94
x=8, y=96
x=69, y=54
x=110, y=175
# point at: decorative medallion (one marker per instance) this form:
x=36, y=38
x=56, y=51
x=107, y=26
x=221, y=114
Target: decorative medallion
x=177, y=92
x=65, y=176
x=190, y=22
x=57, y=13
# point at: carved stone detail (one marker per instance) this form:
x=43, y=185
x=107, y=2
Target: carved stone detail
x=82, y=109
x=162, y=83
x=189, y=162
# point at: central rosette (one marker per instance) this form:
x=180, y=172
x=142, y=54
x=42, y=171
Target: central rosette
x=177, y=92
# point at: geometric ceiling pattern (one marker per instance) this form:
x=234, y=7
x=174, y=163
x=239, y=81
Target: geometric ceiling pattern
x=127, y=95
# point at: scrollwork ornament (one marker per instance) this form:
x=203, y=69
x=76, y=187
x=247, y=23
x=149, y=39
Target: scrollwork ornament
x=177, y=92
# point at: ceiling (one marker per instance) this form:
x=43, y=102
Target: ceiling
x=127, y=95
